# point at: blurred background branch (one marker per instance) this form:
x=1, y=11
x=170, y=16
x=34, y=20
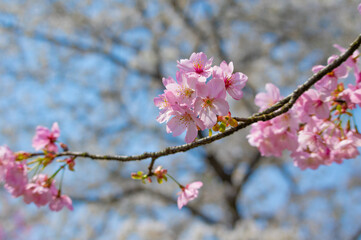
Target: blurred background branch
x=95, y=67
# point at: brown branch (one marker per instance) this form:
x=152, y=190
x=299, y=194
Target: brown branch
x=74, y=45
x=250, y=170
x=277, y=109
x=356, y=235
x=216, y=165
x=138, y=190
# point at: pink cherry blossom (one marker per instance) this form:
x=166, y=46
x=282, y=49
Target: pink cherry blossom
x=329, y=82
x=39, y=190
x=16, y=178
x=188, y=193
x=347, y=147
x=316, y=103
x=7, y=158
x=211, y=102
x=352, y=60
x=357, y=73
x=164, y=102
x=185, y=119
x=285, y=122
x=59, y=201
x=355, y=95
x=305, y=160
x=262, y=137
x=270, y=142
x=184, y=90
x=234, y=83
x=311, y=140
x=266, y=100
x=352, y=94
x=197, y=64
x=45, y=139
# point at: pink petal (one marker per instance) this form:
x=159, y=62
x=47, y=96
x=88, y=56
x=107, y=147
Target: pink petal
x=51, y=147
x=199, y=123
x=355, y=96
x=198, y=105
x=195, y=185
x=202, y=90
x=191, y=133
x=341, y=71
x=264, y=100
x=216, y=88
x=221, y=107
x=68, y=202
x=176, y=126
x=181, y=201
x=55, y=130
x=235, y=92
x=167, y=81
x=158, y=101
x=208, y=117
x=323, y=111
x=317, y=68
x=163, y=116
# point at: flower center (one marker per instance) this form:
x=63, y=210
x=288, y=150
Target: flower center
x=207, y=102
x=52, y=139
x=187, y=92
x=185, y=119
x=228, y=81
x=198, y=67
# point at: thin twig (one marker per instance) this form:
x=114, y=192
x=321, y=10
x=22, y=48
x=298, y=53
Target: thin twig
x=150, y=167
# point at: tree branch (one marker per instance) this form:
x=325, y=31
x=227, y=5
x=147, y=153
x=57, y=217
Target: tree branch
x=74, y=45
x=138, y=190
x=277, y=109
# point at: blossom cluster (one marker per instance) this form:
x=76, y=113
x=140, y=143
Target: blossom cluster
x=320, y=128
x=197, y=97
x=40, y=189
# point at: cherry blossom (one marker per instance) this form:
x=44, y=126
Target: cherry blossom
x=316, y=103
x=188, y=193
x=352, y=60
x=7, y=158
x=39, y=190
x=234, y=82
x=58, y=202
x=16, y=179
x=265, y=100
x=185, y=119
x=45, y=138
x=329, y=82
x=211, y=102
x=312, y=129
x=197, y=64
x=197, y=98
x=184, y=89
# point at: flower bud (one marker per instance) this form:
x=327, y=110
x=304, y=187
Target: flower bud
x=64, y=147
